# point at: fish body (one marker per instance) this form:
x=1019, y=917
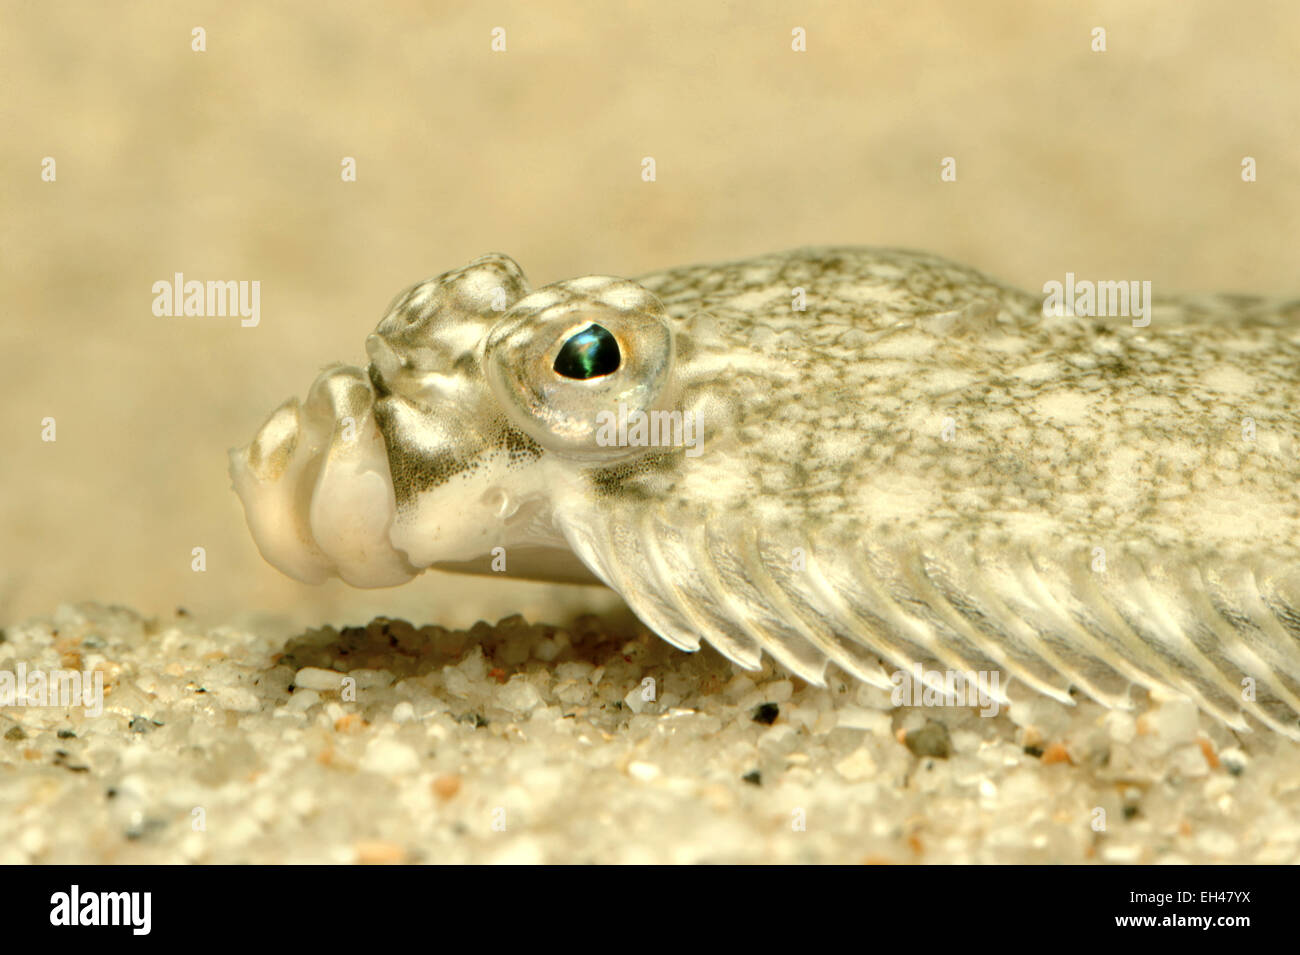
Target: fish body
x=873, y=458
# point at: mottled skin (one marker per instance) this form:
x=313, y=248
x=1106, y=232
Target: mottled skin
x=918, y=466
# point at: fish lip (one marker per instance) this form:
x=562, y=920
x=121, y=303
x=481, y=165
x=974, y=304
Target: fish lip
x=316, y=486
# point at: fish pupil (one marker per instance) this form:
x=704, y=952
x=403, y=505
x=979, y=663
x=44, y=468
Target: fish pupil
x=591, y=353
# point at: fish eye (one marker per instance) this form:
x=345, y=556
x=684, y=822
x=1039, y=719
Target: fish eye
x=591, y=353
x=565, y=357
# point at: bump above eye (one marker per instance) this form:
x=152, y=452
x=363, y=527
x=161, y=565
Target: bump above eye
x=591, y=353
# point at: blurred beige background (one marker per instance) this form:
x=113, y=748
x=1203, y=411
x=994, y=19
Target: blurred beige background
x=225, y=165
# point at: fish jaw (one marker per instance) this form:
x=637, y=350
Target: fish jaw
x=317, y=490
x=375, y=487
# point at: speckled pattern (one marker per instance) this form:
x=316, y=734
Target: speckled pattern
x=904, y=462
x=1089, y=429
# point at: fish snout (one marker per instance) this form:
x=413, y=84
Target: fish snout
x=316, y=486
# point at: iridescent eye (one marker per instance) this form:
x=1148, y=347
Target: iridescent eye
x=592, y=353
x=564, y=358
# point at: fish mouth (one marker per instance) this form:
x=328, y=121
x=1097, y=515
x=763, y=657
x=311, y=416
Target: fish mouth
x=317, y=489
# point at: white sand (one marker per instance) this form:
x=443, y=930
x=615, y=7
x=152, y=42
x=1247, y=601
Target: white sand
x=520, y=743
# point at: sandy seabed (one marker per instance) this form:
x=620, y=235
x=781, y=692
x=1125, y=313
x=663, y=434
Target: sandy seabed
x=526, y=743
